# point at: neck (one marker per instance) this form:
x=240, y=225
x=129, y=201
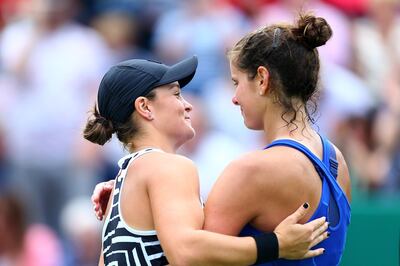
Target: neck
x=277, y=128
x=153, y=141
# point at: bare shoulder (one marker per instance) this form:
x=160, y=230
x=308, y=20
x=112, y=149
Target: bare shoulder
x=252, y=167
x=339, y=155
x=158, y=165
x=250, y=187
x=343, y=173
x=157, y=161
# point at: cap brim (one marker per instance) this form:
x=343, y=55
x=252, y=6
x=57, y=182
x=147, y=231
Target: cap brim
x=183, y=72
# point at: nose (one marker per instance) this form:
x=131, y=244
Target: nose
x=235, y=101
x=188, y=106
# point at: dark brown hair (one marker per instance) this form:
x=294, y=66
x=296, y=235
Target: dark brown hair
x=290, y=55
x=99, y=130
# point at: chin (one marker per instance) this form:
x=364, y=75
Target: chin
x=252, y=126
x=248, y=124
x=190, y=134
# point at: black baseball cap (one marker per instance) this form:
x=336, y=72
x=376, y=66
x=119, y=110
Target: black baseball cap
x=128, y=80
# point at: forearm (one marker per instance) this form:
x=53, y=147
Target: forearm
x=201, y=247
x=101, y=260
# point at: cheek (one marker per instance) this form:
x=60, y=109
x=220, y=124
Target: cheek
x=240, y=94
x=252, y=112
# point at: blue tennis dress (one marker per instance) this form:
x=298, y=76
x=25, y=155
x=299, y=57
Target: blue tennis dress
x=333, y=205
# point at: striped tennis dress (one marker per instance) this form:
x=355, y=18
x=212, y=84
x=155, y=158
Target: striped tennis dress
x=122, y=244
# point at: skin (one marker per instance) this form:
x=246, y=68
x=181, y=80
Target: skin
x=167, y=196
x=268, y=184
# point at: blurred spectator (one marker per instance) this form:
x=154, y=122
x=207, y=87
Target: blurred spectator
x=225, y=117
x=199, y=27
x=249, y=8
x=350, y=7
x=56, y=65
x=210, y=149
x=12, y=230
x=83, y=238
x=3, y=159
x=338, y=49
x=117, y=23
x=376, y=39
x=343, y=97
x=371, y=151
x=10, y=9
x=22, y=244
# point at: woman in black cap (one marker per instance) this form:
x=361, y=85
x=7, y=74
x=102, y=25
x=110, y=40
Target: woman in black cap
x=155, y=212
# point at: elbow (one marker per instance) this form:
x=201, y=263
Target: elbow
x=186, y=252
x=181, y=257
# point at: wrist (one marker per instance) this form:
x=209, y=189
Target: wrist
x=267, y=247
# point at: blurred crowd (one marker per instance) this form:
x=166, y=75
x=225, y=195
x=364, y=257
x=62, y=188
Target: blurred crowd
x=53, y=54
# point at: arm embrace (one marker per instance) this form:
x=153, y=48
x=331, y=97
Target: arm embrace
x=173, y=188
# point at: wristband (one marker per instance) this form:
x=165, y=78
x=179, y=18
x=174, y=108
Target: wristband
x=267, y=247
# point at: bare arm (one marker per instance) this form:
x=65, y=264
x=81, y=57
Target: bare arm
x=178, y=218
x=233, y=203
x=295, y=240
x=101, y=259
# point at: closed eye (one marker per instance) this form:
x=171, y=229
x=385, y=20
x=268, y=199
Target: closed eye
x=178, y=94
x=235, y=83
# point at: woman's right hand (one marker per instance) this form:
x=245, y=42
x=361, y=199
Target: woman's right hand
x=100, y=196
x=296, y=240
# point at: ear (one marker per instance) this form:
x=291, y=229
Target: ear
x=142, y=108
x=262, y=80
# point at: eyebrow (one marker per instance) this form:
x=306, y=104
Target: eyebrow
x=174, y=86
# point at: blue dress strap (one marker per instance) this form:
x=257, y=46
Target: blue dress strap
x=323, y=168
x=320, y=165
x=300, y=147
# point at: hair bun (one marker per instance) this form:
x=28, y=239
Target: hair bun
x=107, y=124
x=98, y=129
x=312, y=31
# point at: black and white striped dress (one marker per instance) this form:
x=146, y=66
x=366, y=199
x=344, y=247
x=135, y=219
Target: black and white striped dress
x=122, y=244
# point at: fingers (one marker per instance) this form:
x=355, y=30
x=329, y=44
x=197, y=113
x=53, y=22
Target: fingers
x=97, y=210
x=315, y=224
x=313, y=253
x=319, y=239
x=100, y=188
x=298, y=214
x=97, y=191
x=320, y=230
x=109, y=185
x=99, y=214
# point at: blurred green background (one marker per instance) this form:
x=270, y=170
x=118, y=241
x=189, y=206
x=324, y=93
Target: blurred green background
x=374, y=234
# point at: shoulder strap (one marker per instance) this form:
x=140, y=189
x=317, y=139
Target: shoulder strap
x=300, y=147
x=124, y=161
x=330, y=157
